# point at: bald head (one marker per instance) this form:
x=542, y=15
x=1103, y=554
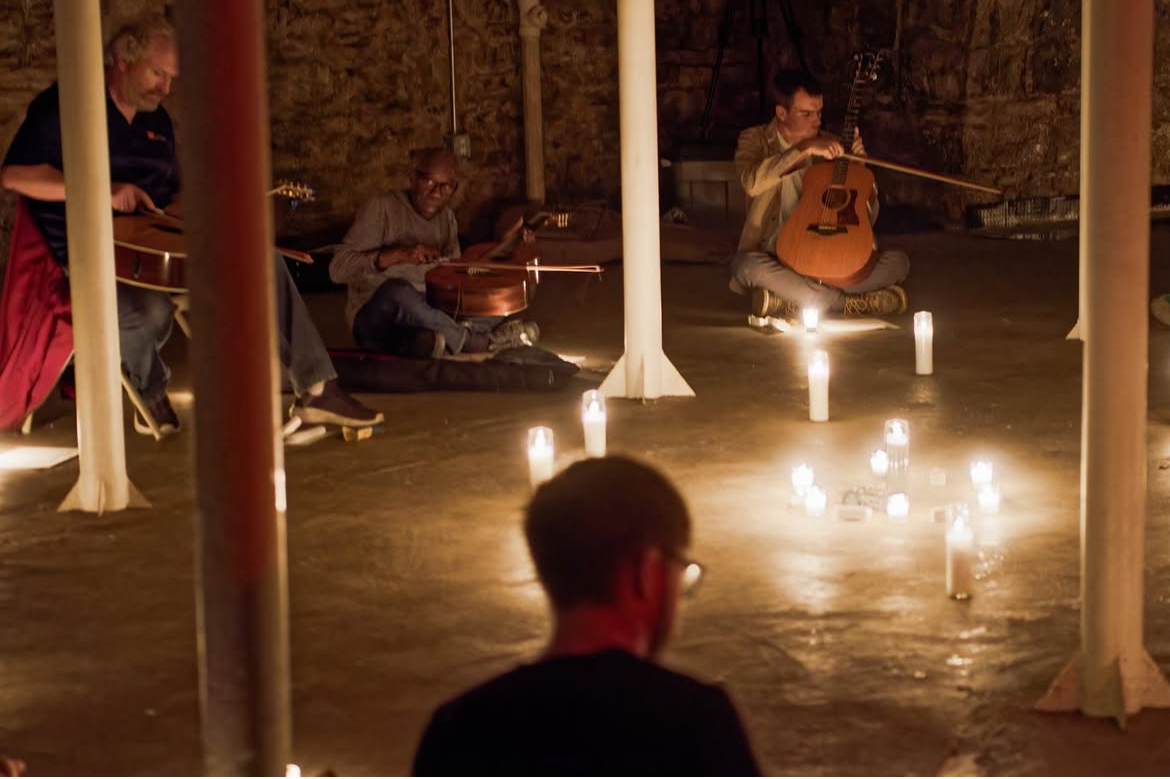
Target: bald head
x=436, y=174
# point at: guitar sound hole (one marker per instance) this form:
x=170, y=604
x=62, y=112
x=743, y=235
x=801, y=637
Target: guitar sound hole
x=836, y=198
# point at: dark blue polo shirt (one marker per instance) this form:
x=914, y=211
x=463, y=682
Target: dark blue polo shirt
x=142, y=152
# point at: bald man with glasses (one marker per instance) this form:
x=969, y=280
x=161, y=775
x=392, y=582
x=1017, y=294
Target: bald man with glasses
x=394, y=240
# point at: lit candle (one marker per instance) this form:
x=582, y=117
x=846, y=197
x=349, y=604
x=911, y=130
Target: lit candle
x=818, y=386
x=989, y=499
x=898, y=506
x=879, y=462
x=812, y=317
x=960, y=558
x=981, y=473
x=292, y=770
x=802, y=479
x=540, y=455
x=815, y=501
x=898, y=451
x=593, y=420
x=923, y=343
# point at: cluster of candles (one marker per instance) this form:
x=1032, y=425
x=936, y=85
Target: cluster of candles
x=818, y=364
x=541, y=451
x=892, y=465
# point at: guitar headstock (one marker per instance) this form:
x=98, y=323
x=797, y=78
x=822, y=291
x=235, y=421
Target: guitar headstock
x=865, y=66
x=294, y=190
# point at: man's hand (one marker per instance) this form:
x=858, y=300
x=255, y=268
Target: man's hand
x=858, y=147
x=127, y=198
x=419, y=254
x=821, y=147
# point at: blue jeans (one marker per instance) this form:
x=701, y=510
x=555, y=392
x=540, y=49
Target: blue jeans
x=145, y=318
x=762, y=269
x=397, y=308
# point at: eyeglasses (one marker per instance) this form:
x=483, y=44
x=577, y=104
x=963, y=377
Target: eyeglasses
x=692, y=575
x=444, y=187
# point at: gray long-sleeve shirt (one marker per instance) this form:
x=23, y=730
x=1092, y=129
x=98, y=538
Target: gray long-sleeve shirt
x=383, y=222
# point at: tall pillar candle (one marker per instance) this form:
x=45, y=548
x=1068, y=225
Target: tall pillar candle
x=897, y=439
x=593, y=422
x=960, y=558
x=540, y=455
x=818, y=386
x=923, y=343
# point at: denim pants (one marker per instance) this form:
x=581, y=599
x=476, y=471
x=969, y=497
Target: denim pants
x=762, y=269
x=146, y=317
x=397, y=307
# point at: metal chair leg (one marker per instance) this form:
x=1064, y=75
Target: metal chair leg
x=136, y=400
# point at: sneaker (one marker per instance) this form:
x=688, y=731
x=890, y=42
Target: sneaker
x=513, y=333
x=334, y=406
x=880, y=302
x=1160, y=308
x=766, y=303
x=159, y=407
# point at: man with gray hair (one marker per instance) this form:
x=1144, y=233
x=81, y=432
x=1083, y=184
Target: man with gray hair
x=142, y=64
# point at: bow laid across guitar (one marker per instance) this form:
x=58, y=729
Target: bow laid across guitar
x=150, y=249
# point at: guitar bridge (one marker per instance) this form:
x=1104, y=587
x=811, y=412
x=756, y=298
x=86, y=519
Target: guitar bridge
x=826, y=230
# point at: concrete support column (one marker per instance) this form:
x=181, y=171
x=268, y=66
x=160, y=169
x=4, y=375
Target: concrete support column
x=1113, y=675
x=241, y=570
x=533, y=18
x=643, y=371
x=102, y=484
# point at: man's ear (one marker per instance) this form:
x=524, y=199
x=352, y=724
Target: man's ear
x=781, y=113
x=648, y=574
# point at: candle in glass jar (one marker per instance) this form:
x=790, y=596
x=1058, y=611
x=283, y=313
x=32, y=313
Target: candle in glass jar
x=898, y=451
x=540, y=455
x=879, y=462
x=898, y=506
x=815, y=501
x=818, y=386
x=923, y=343
x=988, y=497
x=982, y=472
x=960, y=558
x=802, y=479
x=812, y=317
x=593, y=422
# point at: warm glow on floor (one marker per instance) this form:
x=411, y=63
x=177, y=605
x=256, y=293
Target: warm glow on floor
x=30, y=458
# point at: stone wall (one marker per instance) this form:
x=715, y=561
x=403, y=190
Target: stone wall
x=985, y=89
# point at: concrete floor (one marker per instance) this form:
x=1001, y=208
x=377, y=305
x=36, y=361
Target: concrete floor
x=409, y=578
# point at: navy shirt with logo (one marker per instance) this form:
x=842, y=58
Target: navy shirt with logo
x=142, y=152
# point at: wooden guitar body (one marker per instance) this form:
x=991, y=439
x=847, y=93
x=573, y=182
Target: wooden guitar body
x=828, y=236
x=501, y=291
x=149, y=252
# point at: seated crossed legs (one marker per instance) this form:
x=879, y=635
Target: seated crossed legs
x=779, y=291
x=398, y=320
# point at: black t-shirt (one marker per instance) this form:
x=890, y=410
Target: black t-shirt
x=604, y=714
x=142, y=152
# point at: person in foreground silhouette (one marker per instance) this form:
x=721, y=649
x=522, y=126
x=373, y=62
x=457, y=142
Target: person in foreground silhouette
x=609, y=538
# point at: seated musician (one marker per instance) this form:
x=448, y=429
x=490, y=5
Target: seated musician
x=771, y=160
x=394, y=240
x=141, y=64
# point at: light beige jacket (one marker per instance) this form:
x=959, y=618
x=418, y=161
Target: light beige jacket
x=772, y=181
x=765, y=164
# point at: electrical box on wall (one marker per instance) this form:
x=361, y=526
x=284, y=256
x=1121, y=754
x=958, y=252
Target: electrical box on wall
x=460, y=143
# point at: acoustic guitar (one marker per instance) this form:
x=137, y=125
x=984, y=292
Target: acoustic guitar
x=150, y=249
x=828, y=236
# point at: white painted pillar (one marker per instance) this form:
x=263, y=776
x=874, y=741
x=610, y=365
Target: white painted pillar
x=102, y=484
x=242, y=590
x=533, y=18
x=643, y=371
x=1112, y=675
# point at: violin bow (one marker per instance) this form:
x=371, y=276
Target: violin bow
x=922, y=173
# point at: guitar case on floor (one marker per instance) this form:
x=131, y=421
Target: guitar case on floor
x=519, y=369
